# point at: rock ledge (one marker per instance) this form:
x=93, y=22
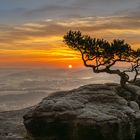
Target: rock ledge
x=91, y=112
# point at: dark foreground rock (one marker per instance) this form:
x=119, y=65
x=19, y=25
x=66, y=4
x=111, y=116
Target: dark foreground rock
x=91, y=112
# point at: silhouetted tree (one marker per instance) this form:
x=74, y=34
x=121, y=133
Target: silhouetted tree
x=101, y=55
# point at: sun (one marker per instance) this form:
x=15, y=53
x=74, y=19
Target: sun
x=70, y=66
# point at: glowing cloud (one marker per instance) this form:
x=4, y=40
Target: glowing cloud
x=41, y=43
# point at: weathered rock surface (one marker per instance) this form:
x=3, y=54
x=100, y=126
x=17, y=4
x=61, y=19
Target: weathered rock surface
x=91, y=112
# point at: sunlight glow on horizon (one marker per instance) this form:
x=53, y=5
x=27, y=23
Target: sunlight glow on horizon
x=70, y=66
x=41, y=43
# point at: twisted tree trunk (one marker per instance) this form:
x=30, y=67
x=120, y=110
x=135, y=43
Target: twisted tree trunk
x=124, y=78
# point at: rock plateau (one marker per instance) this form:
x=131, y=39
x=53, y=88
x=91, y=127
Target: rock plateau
x=91, y=112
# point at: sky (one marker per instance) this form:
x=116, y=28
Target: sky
x=31, y=31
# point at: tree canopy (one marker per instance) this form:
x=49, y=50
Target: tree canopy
x=101, y=55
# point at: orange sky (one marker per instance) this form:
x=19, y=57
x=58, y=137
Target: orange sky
x=53, y=57
x=40, y=43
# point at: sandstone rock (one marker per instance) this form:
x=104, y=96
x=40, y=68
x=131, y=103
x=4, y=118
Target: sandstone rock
x=91, y=112
x=134, y=105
